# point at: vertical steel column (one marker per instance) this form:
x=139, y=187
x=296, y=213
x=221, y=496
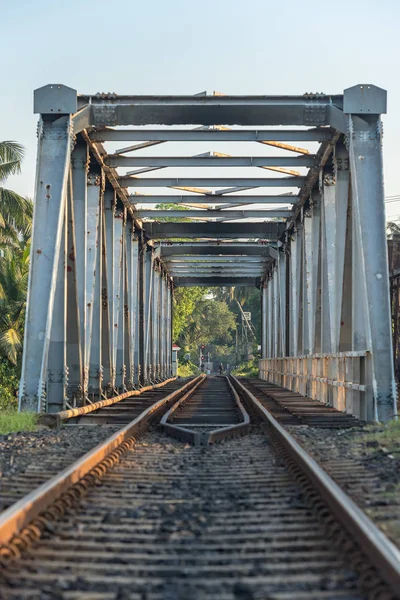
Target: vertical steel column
x=275, y=293
x=282, y=302
x=108, y=384
x=294, y=309
x=161, y=325
x=80, y=168
x=92, y=284
x=135, y=309
x=364, y=105
x=129, y=295
x=169, y=328
x=74, y=356
x=163, y=332
x=165, y=327
x=95, y=386
x=328, y=279
x=155, y=322
x=109, y=221
x=270, y=318
x=54, y=153
x=346, y=327
x=341, y=160
x=119, y=282
x=311, y=258
x=57, y=359
x=264, y=305
x=141, y=323
x=308, y=296
x=149, y=278
x=127, y=325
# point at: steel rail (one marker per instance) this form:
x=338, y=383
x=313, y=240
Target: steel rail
x=372, y=541
x=55, y=419
x=239, y=429
x=194, y=437
x=22, y=513
x=181, y=433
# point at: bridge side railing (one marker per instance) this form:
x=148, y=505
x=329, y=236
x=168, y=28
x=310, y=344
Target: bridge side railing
x=339, y=380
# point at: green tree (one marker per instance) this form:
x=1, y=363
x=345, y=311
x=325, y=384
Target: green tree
x=15, y=232
x=185, y=300
x=214, y=321
x=15, y=211
x=14, y=269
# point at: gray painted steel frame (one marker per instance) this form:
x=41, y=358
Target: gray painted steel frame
x=99, y=311
x=339, y=325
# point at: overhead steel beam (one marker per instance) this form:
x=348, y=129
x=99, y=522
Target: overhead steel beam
x=216, y=266
x=212, y=181
x=308, y=110
x=213, y=214
x=210, y=135
x=217, y=270
x=307, y=160
x=213, y=199
x=193, y=249
x=217, y=277
x=267, y=230
x=216, y=281
x=200, y=260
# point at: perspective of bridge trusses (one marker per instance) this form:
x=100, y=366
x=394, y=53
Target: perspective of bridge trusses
x=231, y=177
x=280, y=192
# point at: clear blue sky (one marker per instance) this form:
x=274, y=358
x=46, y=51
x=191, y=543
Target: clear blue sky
x=177, y=46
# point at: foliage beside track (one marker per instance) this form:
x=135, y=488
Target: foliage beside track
x=382, y=438
x=13, y=422
x=248, y=369
x=15, y=232
x=188, y=369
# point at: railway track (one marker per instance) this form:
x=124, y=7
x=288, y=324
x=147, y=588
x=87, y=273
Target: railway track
x=210, y=413
x=111, y=414
x=152, y=518
x=291, y=408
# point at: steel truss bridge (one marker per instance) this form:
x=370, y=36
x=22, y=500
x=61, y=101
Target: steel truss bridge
x=306, y=226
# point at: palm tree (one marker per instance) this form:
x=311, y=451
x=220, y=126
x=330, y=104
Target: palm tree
x=14, y=269
x=15, y=211
x=15, y=232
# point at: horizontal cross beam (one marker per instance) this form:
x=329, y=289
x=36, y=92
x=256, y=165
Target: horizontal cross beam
x=317, y=134
x=215, y=259
x=223, y=273
x=211, y=181
x=307, y=110
x=201, y=249
x=213, y=214
x=215, y=265
x=269, y=230
x=213, y=199
x=246, y=281
x=307, y=160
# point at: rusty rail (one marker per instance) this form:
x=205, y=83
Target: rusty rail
x=22, y=513
x=55, y=419
x=372, y=542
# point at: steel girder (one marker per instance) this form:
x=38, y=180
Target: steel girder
x=211, y=281
x=249, y=182
x=307, y=110
x=167, y=249
x=265, y=230
x=230, y=199
x=213, y=214
x=318, y=134
x=308, y=160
